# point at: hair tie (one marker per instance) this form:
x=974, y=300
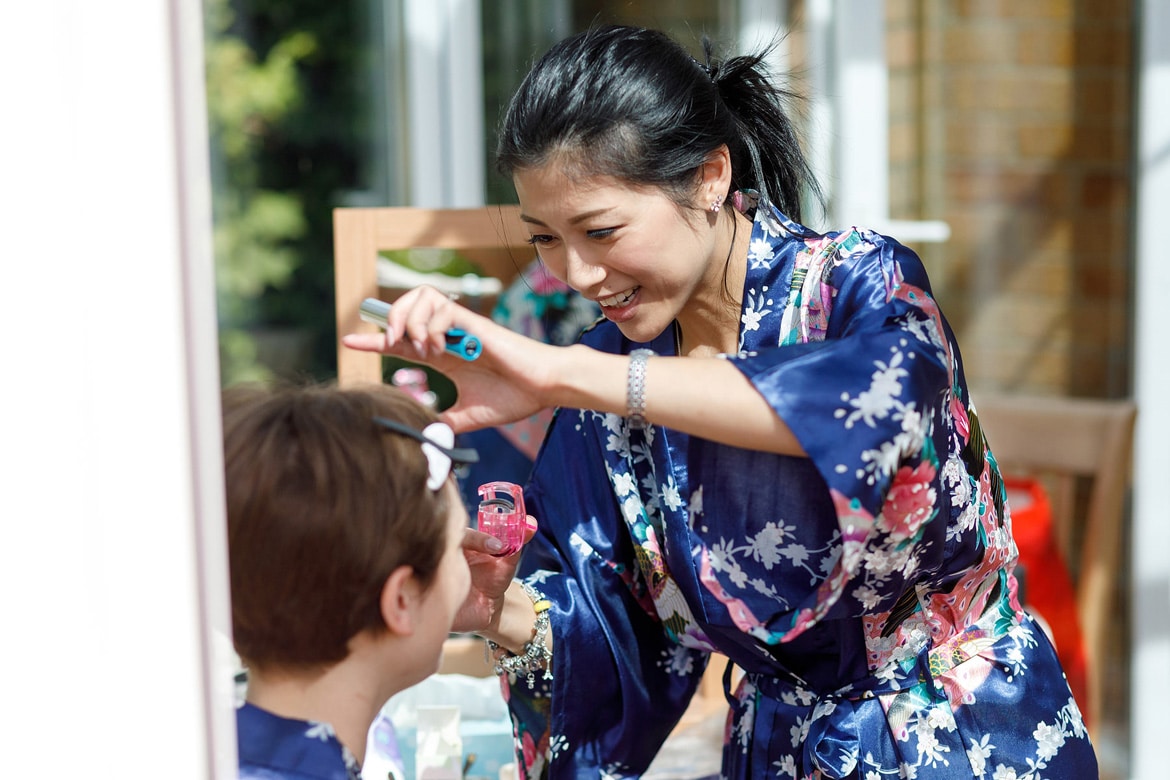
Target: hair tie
x=706, y=68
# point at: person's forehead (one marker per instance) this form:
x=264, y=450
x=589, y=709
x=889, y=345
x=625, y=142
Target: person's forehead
x=549, y=192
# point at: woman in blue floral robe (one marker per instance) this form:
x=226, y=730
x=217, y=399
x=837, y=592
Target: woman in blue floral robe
x=851, y=553
x=865, y=590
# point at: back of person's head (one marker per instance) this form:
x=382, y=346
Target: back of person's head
x=630, y=103
x=323, y=504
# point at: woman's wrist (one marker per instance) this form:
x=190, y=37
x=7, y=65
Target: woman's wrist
x=535, y=656
x=517, y=616
x=591, y=379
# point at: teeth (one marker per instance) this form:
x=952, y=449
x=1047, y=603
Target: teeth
x=621, y=299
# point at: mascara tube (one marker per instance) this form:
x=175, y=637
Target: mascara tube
x=459, y=342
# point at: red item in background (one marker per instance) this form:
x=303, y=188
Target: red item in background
x=1047, y=585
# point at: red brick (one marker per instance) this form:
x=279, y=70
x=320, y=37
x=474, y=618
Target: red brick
x=993, y=365
x=1047, y=140
x=1056, y=190
x=1089, y=372
x=905, y=142
x=975, y=44
x=1037, y=9
x=1103, y=96
x=1013, y=9
x=1100, y=284
x=970, y=226
x=901, y=12
x=1023, y=230
x=1010, y=92
x=1120, y=11
x=904, y=95
x=1104, y=190
x=1042, y=275
x=1037, y=90
x=1100, y=325
x=1014, y=187
x=1095, y=238
x=903, y=48
x=980, y=138
x=1046, y=46
x=1084, y=142
x=988, y=185
x=1103, y=45
x=1027, y=319
x=959, y=89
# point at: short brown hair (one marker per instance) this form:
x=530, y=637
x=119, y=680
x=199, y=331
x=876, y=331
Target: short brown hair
x=322, y=505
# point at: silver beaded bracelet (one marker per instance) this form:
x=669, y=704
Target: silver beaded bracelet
x=636, y=389
x=535, y=656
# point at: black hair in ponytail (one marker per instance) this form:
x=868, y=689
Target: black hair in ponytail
x=631, y=103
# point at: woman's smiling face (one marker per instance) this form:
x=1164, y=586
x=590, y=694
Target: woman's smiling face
x=635, y=251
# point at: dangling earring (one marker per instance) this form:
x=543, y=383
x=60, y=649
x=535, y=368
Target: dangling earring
x=716, y=205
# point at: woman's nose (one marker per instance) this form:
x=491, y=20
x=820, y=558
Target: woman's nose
x=580, y=273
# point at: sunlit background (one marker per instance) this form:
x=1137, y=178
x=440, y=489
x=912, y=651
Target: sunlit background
x=1020, y=146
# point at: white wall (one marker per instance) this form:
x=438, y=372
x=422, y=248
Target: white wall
x=1150, y=668
x=110, y=485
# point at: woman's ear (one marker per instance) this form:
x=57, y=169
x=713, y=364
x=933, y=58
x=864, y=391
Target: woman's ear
x=716, y=175
x=399, y=603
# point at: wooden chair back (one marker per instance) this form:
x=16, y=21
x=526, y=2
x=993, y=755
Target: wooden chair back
x=492, y=237
x=1071, y=444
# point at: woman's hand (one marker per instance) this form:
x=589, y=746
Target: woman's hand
x=491, y=576
x=509, y=380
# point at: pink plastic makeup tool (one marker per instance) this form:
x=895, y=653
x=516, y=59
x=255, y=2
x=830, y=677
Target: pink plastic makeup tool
x=501, y=514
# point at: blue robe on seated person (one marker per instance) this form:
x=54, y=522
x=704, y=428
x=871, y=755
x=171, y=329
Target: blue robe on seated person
x=272, y=747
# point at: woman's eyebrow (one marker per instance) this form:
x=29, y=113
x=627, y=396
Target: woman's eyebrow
x=572, y=221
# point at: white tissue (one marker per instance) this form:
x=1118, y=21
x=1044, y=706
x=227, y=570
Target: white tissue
x=439, y=749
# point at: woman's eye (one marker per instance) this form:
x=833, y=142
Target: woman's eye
x=601, y=232
x=540, y=238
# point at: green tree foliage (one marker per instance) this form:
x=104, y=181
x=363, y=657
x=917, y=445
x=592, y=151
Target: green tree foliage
x=253, y=226
x=285, y=129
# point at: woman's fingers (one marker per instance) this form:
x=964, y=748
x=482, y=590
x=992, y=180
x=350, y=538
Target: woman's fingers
x=423, y=316
x=368, y=342
x=382, y=342
x=478, y=541
x=416, y=326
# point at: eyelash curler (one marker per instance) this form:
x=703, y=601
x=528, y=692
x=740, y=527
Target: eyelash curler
x=501, y=514
x=459, y=342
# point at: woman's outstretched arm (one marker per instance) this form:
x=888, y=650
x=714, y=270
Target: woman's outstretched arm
x=517, y=376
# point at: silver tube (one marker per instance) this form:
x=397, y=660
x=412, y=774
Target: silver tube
x=375, y=311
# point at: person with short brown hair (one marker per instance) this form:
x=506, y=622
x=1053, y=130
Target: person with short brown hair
x=346, y=540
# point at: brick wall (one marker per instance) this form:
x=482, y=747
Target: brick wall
x=1010, y=120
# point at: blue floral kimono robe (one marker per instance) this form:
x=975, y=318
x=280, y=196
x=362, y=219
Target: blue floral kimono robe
x=865, y=590
x=276, y=748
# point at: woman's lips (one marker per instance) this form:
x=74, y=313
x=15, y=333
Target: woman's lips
x=620, y=307
x=619, y=300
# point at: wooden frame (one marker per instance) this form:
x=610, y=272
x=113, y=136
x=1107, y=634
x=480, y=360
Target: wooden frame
x=493, y=236
x=1061, y=441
